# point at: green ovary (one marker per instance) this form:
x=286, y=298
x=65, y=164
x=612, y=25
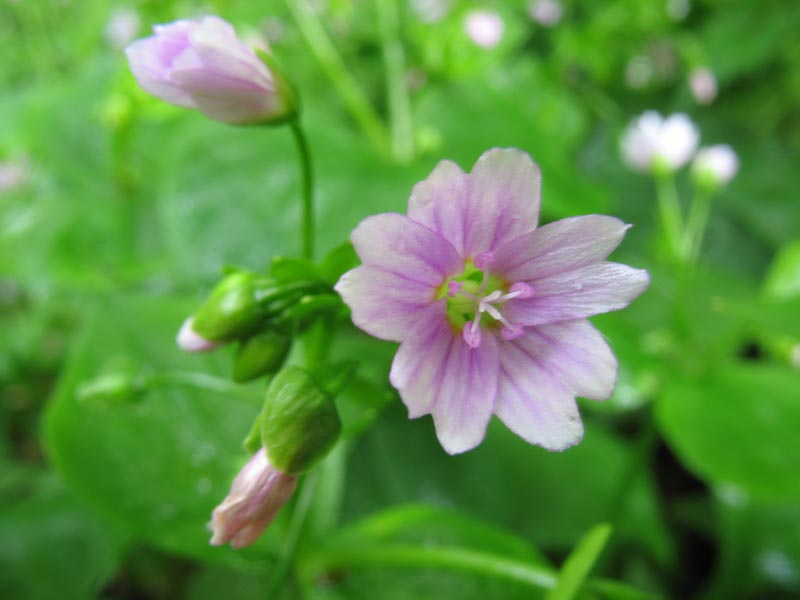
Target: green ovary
x=461, y=308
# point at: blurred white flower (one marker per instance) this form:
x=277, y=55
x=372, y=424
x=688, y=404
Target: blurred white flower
x=430, y=11
x=484, y=27
x=122, y=27
x=715, y=166
x=703, y=85
x=653, y=143
x=13, y=174
x=678, y=10
x=638, y=72
x=545, y=12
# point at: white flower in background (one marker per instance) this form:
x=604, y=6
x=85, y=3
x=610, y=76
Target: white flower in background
x=638, y=72
x=122, y=28
x=431, y=11
x=484, y=27
x=13, y=174
x=545, y=12
x=678, y=10
x=703, y=85
x=715, y=166
x=652, y=143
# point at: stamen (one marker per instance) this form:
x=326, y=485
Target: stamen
x=483, y=260
x=511, y=332
x=522, y=289
x=453, y=288
x=472, y=334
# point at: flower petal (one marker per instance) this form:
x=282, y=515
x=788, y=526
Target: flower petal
x=220, y=51
x=150, y=60
x=504, y=199
x=466, y=394
x=385, y=305
x=533, y=403
x=436, y=372
x=574, y=353
x=565, y=245
x=578, y=294
x=396, y=244
x=418, y=366
x=440, y=201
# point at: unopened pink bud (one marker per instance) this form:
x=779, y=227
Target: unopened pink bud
x=257, y=495
x=189, y=340
x=203, y=65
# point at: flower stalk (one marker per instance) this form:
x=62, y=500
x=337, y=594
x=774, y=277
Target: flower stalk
x=307, y=189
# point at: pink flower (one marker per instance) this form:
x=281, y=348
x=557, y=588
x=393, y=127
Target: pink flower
x=491, y=311
x=257, y=495
x=203, y=65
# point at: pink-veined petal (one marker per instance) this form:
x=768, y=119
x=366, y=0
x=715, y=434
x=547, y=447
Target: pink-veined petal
x=150, y=63
x=504, y=200
x=385, y=305
x=436, y=372
x=565, y=245
x=466, y=394
x=418, y=366
x=533, y=403
x=440, y=202
x=575, y=354
x=396, y=244
x=590, y=290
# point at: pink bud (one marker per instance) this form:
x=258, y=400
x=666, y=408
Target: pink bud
x=203, y=65
x=257, y=495
x=189, y=340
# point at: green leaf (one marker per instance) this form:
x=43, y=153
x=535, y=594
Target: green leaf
x=580, y=562
x=783, y=279
x=41, y=526
x=738, y=425
x=157, y=467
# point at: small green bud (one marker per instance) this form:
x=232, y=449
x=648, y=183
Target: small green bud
x=233, y=309
x=261, y=354
x=300, y=423
x=114, y=388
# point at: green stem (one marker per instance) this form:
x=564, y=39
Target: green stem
x=670, y=213
x=201, y=381
x=697, y=223
x=334, y=67
x=307, y=183
x=299, y=516
x=396, y=90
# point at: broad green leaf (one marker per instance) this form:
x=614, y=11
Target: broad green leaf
x=783, y=279
x=42, y=527
x=160, y=465
x=738, y=425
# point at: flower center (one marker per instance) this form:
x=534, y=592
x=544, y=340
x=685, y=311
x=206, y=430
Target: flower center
x=475, y=293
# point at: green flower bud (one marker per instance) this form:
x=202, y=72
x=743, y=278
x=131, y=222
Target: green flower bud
x=261, y=354
x=300, y=423
x=236, y=306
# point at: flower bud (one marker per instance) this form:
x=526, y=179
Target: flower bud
x=257, y=494
x=261, y=354
x=189, y=340
x=234, y=308
x=203, y=65
x=715, y=166
x=299, y=423
x=653, y=144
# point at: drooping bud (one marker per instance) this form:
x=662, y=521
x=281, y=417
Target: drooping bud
x=234, y=308
x=299, y=423
x=189, y=340
x=261, y=354
x=257, y=494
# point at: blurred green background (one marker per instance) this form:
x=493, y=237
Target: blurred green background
x=117, y=212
